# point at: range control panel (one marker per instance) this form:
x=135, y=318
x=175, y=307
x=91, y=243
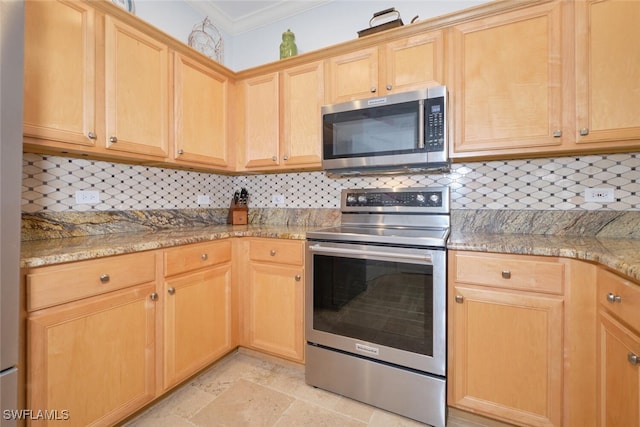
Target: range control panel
x=417, y=199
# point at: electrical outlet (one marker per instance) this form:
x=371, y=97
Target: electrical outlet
x=87, y=197
x=277, y=199
x=203, y=199
x=601, y=195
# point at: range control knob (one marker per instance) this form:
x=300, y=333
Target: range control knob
x=351, y=199
x=434, y=198
x=420, y=198
x=362, y=198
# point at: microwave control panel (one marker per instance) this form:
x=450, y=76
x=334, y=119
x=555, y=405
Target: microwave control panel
x=435, y=126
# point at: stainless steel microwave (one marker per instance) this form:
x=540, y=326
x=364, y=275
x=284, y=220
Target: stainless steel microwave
x=399, y=133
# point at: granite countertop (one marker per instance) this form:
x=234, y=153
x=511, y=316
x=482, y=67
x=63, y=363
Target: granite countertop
x=618, y=254
x=37, y=253
x=611, y=239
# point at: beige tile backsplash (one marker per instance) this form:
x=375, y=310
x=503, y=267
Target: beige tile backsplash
x=50, y=183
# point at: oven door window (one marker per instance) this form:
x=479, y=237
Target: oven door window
x=382, y=302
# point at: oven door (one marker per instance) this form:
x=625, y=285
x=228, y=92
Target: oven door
x=380, y=302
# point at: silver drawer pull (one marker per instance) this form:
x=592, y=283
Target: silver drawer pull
x=171, y=291
x=506, y=274
x=633, y=359
x=613, y=298
x=273, y=252
x=154, y=296
x=105, y=278
x=298, y=277
x=204, y=257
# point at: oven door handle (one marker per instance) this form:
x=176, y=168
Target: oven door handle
x=343, y=251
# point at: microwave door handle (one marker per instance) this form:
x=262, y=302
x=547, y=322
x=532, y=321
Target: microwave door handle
x=421, y=124
x=343, y=251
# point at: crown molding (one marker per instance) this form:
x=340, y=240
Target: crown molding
x=275, y=11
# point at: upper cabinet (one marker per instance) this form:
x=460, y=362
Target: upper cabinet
x=60, y=73
x=201, y=104
x=525, y=79
x=506, y=82
x=401, y=65
x=608, y=72
x=93, y=84
x=279, y=114
x=137, y=91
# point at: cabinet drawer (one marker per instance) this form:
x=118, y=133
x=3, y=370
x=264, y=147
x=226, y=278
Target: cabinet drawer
x=193, y=257
x=620, y=297
x=529, y=273
x=275, y=250
x=48, y=286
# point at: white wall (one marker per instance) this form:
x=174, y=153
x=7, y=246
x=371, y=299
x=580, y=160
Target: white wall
x=323, y=26
x=329, y=24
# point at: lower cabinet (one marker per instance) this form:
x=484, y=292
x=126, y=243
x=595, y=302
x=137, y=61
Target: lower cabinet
x=91, y=360
x=506, y=324
x=197, y=308
x=273, y=298
x=618, y=351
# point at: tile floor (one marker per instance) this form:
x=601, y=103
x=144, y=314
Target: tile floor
x=250, y=389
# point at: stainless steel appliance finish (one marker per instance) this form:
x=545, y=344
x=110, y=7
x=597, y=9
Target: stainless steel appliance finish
x=11, y=85
x=376, y=301
x=399, y=133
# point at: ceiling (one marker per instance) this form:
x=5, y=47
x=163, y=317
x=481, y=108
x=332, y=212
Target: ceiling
x=238, y=16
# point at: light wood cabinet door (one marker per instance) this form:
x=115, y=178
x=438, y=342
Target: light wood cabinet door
x=608, y=72
x=506, y=81
x=94, y=358
x=197, y=321
x=618, y=374
x=302, y=100
x=413, y=63
x=274, y=310
x=261, y=121
x=506, y=354
x=136, y=91
x=402, y=65
x=352, y=76
x=60, y=72
x=200, y=113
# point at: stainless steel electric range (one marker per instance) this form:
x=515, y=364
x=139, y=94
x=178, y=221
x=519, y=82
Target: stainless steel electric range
x=376, y=301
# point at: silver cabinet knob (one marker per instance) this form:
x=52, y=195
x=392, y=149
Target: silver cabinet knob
x=153, y=296
x=459, y=299
x=298, y=277
x=373, y=90
x=113, y=139
x=274, y=158
x=181, y=151
x=286, y=157
x=612, y=298
x=105, y=278
x=204, y=257
x=633, y=359
x=557, y=134
x=584, y=131
x=273, y=252
x=389, y=87
x=92, y=135
x=506, y=274
x=171, y=291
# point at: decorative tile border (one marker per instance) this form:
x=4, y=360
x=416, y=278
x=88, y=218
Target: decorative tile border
x=50, y=182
